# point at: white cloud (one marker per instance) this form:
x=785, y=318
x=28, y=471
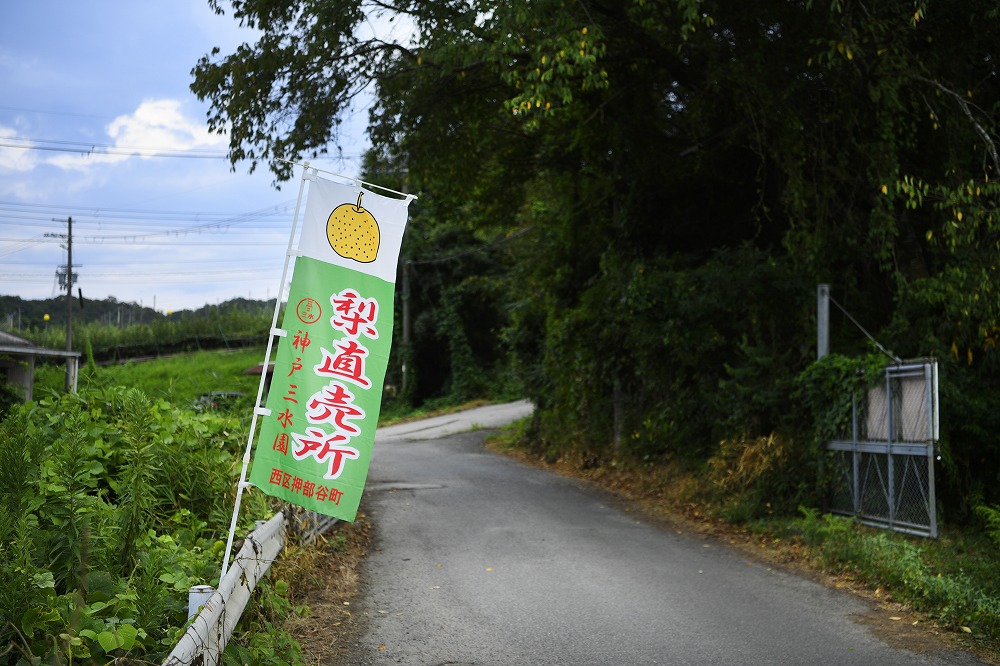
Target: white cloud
x=157, y=126
x=160, y=124
x=15, y=159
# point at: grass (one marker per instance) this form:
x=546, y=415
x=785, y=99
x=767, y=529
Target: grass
x=955, y=579
x=181, y=379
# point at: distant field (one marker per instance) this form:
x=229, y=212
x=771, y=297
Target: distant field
x=181, y=379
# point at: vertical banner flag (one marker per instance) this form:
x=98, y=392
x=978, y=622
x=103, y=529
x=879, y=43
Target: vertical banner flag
x=326, y=390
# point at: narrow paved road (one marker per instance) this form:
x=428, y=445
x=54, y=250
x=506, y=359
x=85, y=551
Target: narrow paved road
x=482, y=560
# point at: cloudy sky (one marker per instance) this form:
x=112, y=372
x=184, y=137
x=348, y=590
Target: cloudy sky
x=97, y=123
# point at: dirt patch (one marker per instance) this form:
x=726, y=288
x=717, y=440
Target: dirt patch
x=327, y=579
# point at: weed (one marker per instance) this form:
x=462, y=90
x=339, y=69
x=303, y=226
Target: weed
x=903, y=566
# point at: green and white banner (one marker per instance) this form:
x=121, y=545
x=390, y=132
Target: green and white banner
x=322, y=407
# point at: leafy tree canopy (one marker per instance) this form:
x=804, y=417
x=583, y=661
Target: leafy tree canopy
x=673, y=176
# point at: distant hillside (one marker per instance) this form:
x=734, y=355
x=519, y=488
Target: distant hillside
x=17, y=313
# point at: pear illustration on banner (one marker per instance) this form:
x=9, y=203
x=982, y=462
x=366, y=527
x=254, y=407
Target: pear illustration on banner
x=353, y=232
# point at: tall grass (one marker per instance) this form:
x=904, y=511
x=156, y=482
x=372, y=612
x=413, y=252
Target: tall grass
x=180, y=378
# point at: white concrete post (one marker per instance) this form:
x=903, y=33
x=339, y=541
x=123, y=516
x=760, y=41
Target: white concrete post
x=822, y=320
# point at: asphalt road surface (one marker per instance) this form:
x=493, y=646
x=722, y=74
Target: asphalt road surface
x=480, y=559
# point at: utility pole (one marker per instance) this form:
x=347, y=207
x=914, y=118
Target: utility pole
x=69, y=290
x=67, y=279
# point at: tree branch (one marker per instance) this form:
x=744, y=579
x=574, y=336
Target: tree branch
x=963, y=103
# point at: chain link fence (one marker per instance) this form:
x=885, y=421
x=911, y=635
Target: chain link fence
x=884, y=466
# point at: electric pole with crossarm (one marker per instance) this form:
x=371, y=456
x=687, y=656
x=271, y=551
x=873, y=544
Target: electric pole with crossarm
x=67, y=279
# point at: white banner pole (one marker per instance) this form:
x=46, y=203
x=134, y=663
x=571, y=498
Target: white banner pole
x=258, y=409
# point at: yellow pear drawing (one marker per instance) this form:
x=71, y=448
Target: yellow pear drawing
x=353, y=232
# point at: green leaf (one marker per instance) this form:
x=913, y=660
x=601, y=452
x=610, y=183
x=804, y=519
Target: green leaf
x=34, y=618
x=44, y=580
x=128, y=634
x=122, y=637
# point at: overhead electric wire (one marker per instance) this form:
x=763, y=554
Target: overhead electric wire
x=132, y=275
x=55, y=113
x=158, y=280
x=87, y=148
x=124, y=265
x=22, y=244
x=124, y=228
x=216, y=222
x=132, y=240
x=104, y=215
x=85, y=213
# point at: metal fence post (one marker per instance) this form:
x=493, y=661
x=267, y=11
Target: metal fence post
x=930, y=379
x=891, y=437
x=855, y=462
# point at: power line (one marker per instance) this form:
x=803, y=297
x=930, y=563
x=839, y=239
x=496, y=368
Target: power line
x=134, y=239
x=115, y=213
x=93, y=148
x=158, y=279
x=83, y=148
x=255, y=261
x=217, y=222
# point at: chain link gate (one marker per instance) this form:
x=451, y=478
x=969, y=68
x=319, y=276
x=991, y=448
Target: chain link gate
x=884, y=468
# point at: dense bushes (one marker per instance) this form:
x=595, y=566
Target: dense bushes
x=113, y=505
x=667, y=358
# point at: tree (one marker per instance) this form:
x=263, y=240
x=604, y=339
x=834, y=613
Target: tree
x=675, y=176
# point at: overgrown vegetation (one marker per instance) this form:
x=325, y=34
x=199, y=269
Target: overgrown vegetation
x=628, y=205
x=625, y=208
x=115, y=504
x=116, y=500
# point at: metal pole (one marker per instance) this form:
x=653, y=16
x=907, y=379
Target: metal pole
x=405, y=296
x=405, y=370
x=930, y=380
x=891, y=437
x=822, y=320
x=69, y=303
x=259, y=409
x=855, y=462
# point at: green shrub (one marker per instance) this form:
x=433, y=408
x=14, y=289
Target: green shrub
x=9, y=398
x=111, y=505
x=991, y=516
